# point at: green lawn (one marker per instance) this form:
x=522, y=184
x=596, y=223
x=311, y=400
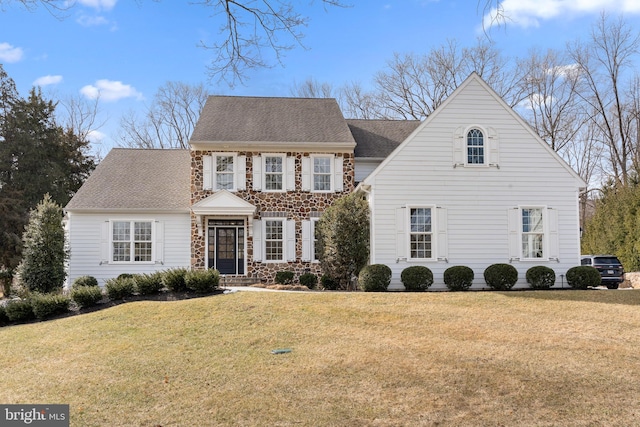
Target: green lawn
x=542, y=358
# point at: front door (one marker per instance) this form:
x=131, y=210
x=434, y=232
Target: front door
x=226, y=246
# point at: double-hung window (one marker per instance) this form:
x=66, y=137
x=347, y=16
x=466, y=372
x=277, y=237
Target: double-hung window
x=132, y=241
x=274, y=172
x=274, y=239
x=224, y=170
x=532, y=233
x=475, y=147
x=420, y=233
x=322, y=173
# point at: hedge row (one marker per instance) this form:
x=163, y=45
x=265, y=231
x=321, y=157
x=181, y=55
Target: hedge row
x=85, y=292
x=501, y=277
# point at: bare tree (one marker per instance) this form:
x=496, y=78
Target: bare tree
x=169, y=121
x=357, y=103
x=312, y=88
x=552, y=104
x=80, y=115
x=603, y=62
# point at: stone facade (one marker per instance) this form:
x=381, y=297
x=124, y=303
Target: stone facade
x=297, y=205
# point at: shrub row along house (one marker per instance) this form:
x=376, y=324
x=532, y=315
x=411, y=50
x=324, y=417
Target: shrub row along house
x=470, y=185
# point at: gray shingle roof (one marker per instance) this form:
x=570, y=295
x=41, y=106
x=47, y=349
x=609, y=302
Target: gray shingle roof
x=378, y=138
x=255, y=119
x=137, y=179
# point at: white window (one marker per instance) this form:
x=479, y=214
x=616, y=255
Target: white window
x=322, y=173
x=533, y=233
x=475, y=147
x=274, y=167
x=224, y=171
x=274, y=240
x=132, y=241
x=420, y=233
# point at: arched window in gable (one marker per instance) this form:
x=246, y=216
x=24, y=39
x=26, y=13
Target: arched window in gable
x=475, y=147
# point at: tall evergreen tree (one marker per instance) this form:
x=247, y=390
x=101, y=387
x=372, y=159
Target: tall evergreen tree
x=37, y=156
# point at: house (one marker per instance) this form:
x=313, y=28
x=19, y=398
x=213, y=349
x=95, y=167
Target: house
x=472, y=185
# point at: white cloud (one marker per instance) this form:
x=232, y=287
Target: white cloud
x=109, y=90
x=92, y=21
x=47, y=80
x=99, y=4
x=529, y=13
x=9, y=53
x=96, y=137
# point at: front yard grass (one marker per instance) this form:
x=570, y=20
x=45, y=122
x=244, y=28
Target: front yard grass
x=540, y=358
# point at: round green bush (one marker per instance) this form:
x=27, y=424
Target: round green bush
x=202, y=281
x=284, y=277
x=458, y=278
x=120, y=287
x=541, y=277
x=86, y=296
x=583, y=276
x=375, y=278
x=416, y=278
x=19, y=310
x=501, y=277
x=309, y=280
x=328, y=283
x=84, y=281
x=148, y=284
x=173, y=279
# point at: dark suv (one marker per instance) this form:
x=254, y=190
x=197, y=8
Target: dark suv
x=609, y=266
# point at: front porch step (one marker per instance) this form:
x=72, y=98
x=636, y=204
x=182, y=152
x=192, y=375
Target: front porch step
x=228, y=280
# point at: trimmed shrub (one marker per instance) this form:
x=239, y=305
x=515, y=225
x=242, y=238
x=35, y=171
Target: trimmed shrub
x=148, y=284
x=174, y=279
x=501, y=277
x=84, y=281
x=47, y=305
x=416, y=278
x=541, y=277
x=375, y=278
x=583, y=276
x=458, y=278
x=120, y=287
x=328, y=283
x=19, y=310
x=202, y=281
x=284, y=277
x=125, y=276
x=309, y=280
x=86, y=296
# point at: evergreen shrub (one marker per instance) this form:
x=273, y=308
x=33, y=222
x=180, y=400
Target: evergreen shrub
x=328, y=283
x=148, y=284
x=541, y=277
x=86, y=296
x=501, y=277
x=84, y=281
x=458, y=278
x=173, y=279
x=416, y=278
x=19, y=310
x=583, y=276
x=375, y=278
x=309, y=280
x=120, y=287
x=47, y=305
x=284, y=277
x=202, y=281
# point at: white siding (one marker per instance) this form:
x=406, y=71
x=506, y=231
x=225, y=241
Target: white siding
x=87, y=242
x=363, y=167
x=475, y=200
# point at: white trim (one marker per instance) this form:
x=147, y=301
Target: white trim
x=433, y=233
x=485, y=147
x=264, y=240
x=283, y=173
x=331, y=173
x=132, y=242
x=214, y=171
x=545, y=233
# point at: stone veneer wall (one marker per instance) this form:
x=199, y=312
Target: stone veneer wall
x=298, y=205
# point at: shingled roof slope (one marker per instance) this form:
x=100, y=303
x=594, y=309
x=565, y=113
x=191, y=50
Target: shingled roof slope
x=378, y=138
x=137, y=179
x=258, y=119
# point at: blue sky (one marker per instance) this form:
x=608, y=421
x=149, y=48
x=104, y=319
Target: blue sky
x=125, y=50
